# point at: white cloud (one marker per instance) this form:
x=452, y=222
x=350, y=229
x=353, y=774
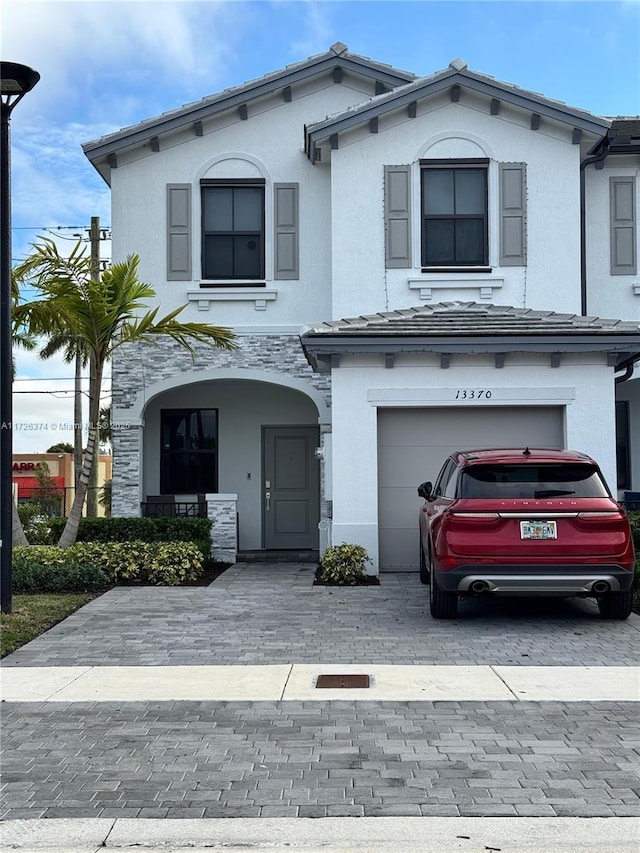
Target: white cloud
x=81, y=47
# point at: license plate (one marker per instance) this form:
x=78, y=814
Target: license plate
x=538, y=530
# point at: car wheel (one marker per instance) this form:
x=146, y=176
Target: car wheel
x=443, y=605
x=424, y=569
x=616, y=605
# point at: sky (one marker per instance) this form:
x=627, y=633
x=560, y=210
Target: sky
x=107, y=65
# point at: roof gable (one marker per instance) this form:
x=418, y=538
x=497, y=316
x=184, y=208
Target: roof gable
x=333, y=64
x=454, y=79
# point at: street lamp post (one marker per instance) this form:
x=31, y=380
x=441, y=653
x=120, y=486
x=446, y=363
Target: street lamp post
x=15, y=81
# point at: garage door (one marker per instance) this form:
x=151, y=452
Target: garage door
x=413, y=444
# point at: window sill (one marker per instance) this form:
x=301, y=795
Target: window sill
x=220, y=293
x=457, y=270
x=460, y=280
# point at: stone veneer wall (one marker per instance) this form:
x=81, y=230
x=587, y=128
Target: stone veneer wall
x=222, y=511
x=139, y=366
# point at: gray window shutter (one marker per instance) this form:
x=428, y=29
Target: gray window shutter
x=286, y=238
x=179, y=232
x=513, y=214
x=397, y=217
x=623, y=226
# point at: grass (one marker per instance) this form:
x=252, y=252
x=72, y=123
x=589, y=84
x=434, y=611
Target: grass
x=34, y=614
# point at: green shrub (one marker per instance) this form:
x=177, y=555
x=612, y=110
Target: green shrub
x=166, y=563
x=49, y=569
x=197, y=530
x=634, y=519
x=35, y=523
x=109, y=529
x=160, y=563
x=343, y=564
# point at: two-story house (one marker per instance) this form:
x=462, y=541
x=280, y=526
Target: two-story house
x=411, y=265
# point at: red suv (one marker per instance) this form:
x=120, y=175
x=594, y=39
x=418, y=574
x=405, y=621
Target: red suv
x=524, y=522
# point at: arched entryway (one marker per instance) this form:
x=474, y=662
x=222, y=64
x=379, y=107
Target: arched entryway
x=239, y=436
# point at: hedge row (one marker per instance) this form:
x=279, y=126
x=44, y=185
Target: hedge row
x=197, y=530
x=634, y=519
x=89, y=566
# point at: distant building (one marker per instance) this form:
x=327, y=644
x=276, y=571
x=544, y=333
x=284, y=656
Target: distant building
x=60, y=477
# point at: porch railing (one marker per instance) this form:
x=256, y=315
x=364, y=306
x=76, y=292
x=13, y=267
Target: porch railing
x=173, y=506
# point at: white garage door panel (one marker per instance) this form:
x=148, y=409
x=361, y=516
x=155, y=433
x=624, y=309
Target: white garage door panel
x=413, y=444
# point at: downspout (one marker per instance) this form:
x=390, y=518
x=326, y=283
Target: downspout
x=588, y=161
x=628, y=365
x=626, y=375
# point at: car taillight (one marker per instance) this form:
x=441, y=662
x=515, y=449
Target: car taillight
x=474, y=514
x=613, y=514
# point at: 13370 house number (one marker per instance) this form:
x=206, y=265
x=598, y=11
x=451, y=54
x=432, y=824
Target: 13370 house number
x=473, y=394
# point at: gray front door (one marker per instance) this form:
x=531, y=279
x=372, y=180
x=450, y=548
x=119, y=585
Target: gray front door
x=291, y=499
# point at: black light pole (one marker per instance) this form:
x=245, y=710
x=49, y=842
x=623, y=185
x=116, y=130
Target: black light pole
x=15, y=81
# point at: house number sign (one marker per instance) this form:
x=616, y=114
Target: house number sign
x=473, y=394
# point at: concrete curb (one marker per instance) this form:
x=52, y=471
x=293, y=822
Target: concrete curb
x=338, y=835
x=297, y=682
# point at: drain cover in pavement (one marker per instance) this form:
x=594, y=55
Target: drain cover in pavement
x=342, y=681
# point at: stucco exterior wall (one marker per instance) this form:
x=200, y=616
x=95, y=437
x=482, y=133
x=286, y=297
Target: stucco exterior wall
x=551, y=278
x=609, y=295
x=269, y=145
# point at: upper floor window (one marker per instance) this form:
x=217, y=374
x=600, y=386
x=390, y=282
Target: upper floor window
x=233, y=229
x=454, y=213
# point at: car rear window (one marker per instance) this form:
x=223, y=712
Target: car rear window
x=533, y=480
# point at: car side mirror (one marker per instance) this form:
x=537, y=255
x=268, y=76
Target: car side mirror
x=425, y=489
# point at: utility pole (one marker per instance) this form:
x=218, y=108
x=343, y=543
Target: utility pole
x=92, y=491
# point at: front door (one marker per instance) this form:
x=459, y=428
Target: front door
x=290, y=487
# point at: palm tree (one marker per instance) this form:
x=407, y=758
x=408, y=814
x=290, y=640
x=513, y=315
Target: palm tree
x=104, y=313
x=20, y=337
x=59, y=339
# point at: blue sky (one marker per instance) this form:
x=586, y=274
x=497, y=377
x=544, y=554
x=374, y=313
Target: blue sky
x=106, y=65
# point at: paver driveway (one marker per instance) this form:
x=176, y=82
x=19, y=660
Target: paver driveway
x=268, y=614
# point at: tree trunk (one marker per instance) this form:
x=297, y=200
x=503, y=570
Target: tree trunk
x=77, y=421
x=92, y=488
x=70, y=532
x=17, y=530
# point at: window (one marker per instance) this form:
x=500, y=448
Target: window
x=444, y=477
x=189, y=451
x=545, y=480
x=232, y=229
x=454, y=213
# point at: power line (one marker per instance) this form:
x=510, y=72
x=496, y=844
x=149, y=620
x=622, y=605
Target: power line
x=51, y=379
x=53, y=227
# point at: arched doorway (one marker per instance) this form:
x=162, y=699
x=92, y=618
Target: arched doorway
x=252, y=440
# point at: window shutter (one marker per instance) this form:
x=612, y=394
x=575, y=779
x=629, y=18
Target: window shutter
x=397, y=217
x=286, y=238
x=178, y=232
x=623, y=226
x=513, y=214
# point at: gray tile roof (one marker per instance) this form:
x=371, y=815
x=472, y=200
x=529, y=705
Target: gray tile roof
x=457, y=72
x=465, y=319
x=337, y=55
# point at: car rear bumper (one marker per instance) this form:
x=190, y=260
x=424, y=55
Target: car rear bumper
x=536, y=580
